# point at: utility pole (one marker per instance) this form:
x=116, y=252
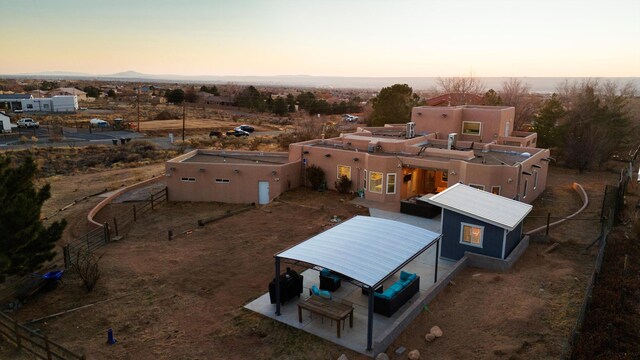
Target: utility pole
x=184, y=107
x=138, y=103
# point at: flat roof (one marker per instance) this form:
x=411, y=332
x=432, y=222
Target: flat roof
x=238, y=158
x=363, y=248
x=482, y=205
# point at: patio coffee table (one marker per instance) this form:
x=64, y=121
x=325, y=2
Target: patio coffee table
x=332, y=309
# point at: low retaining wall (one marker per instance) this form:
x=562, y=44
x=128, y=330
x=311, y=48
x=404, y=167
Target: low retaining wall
x=107, y=200
x=494, y=264
x=585, y=201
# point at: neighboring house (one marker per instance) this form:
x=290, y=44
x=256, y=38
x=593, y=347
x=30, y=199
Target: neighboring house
x=5, y=123
x=441, y=146
x=479, y=222
x=81, y=95
x=211, y=99
x=58, y=103
x=13, y=102
x=39, y=93
x=454, y=99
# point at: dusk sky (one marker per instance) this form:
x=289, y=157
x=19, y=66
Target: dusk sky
x=324, y=38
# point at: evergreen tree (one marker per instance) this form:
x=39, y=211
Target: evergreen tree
x=25, y=243
x=393, y=105
x=547, y=121
x=492, y=98
x=280, y=107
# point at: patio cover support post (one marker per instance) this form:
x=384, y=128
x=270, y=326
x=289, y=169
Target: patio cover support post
x=277, y=286
x=370, y=321
x=435, y=272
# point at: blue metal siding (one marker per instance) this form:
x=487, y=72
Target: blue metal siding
x=451, y=246
x=513, y=239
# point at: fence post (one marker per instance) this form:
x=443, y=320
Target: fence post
x=134, y=213
x=16, y=329
x=107, y=238
x=67, y=257
x=166, y=194
x=548, y=220
x=115, y=225
x=46, y=346
x=151, y=201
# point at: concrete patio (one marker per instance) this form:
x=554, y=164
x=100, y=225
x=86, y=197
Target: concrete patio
x=356, y=338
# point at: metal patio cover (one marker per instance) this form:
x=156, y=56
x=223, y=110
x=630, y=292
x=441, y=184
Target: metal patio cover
x=363, y=248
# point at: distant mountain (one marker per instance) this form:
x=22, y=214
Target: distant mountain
x=538, y=84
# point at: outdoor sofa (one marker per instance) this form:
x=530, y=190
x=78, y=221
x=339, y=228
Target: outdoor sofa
x=389, y=301
x=290, y=286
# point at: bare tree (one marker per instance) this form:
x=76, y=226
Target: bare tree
x=462, y=85
x=87, y=267
x=517, y=93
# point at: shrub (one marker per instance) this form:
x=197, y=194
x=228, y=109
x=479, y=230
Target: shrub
x=343, y=184
x=315, y=175
x=87, y=267
x=166, y=115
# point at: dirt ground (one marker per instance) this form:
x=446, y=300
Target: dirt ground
x=529, y=311
x=212, y=124
x=183, y=299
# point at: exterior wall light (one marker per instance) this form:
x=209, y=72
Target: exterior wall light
x=236, y=171
x=305, y=152
x=327, y=155
x=355, y=159
x=201, y=170
x=274, y=173
x=452, y=172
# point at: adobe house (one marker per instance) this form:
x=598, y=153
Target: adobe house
x=479, y=222
x=242, y=177
x=441, y=146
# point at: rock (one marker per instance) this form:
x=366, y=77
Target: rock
x=436, y=331
x=400, y=350
x=343, y=357
x=382, y=356
x=413, y=355
x=476, y=275
x=429, y=337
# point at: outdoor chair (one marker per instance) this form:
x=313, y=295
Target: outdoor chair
x=329, y=281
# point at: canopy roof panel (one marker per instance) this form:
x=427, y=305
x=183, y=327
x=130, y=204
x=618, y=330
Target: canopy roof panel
x=363, y=248
x=482, y=205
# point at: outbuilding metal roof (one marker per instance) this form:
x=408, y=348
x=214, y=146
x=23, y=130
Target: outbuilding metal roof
x=363, y=248
x=482, y=205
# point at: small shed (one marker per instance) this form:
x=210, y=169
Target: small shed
x=479, y=222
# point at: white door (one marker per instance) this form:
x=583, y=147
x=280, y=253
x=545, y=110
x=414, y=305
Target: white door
x=263, y=192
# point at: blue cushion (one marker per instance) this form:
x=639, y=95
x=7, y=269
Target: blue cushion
x=325, y=272
x=405, y=275
x=406, y=283
x=387, y=294
x=397, y=287
x=412, y=276
x=325, y=294
x=315, y=290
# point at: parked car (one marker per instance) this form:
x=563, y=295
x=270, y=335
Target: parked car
x=246, y=128
x=349, y=118
x=237, y=133
x=28, y=123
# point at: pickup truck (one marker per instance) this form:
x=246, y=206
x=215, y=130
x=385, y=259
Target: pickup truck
x=28, y=123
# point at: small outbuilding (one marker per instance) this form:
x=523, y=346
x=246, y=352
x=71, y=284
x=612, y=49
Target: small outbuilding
x=479, y=222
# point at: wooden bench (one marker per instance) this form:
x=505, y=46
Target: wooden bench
x=334, y=310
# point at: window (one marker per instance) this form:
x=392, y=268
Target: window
x=391, y=183
x=375, y=182
x=188, y=179
x=471, y=128
x=46, y=106
x=476, y=186
x=535, y=179
x=222, y=181
x=344, y=170
x=524, y=192
x=29, y=106
x=445, y=175
x=495, y=190
x=364, y=181
x=471, y=234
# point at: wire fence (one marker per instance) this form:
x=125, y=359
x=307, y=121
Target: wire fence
x=612, y=205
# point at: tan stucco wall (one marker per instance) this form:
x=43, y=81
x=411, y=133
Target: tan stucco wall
x=243, y=180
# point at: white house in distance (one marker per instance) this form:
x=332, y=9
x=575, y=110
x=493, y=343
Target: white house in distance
x=5, y=123
x=82, y=96
x=60, y=103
